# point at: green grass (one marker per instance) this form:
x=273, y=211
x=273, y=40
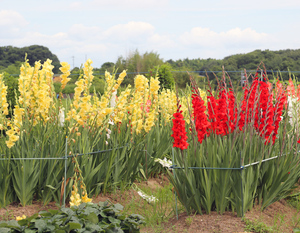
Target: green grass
x=155, y=213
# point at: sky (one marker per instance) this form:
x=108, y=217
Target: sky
x=103, y=30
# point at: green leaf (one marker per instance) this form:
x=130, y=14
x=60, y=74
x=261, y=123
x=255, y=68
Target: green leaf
x=93, y=227
x=53, y=212
x=114, y=220
x=68, y=211
x=114, y=230
x=40, y=225
x=118, y=207
x=23, y=222
x=60, y=231
x=31, y=217
x=89, y=210
x=29, y=231
x=50, y=186
x=5, y=230
x=45, y=213
x=92, y=217
x=143, y=173
x=11, y=224
x=296, y=230
x=73, y=225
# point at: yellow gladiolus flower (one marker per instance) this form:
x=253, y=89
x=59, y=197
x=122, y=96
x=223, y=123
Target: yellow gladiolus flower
x=18, y=218
x=66, y=72
x=65, y=67
x=14, y=138
x=10, y=132
x=9, y=144
x=85, y=199
x=75, y=199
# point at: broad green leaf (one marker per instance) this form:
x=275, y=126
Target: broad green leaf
x=92, y=217
x=73, y=226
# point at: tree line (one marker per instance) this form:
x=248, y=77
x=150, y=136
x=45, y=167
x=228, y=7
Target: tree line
x=150, y=64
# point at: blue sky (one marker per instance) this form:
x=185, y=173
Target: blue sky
x=103, y=30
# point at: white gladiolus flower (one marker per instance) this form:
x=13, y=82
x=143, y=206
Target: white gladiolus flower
x=164, y=162
x=293, y=111
x=147, y=197
x=113, y=99
x=61, y=117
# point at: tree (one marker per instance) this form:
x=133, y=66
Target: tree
x=136, y=63
x=10, y=55
x=165, y=76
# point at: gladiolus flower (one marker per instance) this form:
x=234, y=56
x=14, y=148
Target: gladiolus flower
x=18, y=218
x=200, y=118
x=179, y=132
x=85, y=199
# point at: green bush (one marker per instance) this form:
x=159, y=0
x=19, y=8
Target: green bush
x=12, y=89
x=57, y=86
x=69, y=89
x=97, y=86
x=165, y=76
x=87, y=217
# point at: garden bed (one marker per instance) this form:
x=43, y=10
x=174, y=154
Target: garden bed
x=278, y=217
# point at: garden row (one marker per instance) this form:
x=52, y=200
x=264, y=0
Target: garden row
x=231, y=149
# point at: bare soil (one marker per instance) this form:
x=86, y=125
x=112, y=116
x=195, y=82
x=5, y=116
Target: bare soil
x=280, y=215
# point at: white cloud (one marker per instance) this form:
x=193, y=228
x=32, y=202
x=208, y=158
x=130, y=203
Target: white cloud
x=12, y=18
x=11, y=23
x=135, y=32
x=58, y=40
x=204, y=37
x=76, y=5
x=81, y=32
x=161, y=41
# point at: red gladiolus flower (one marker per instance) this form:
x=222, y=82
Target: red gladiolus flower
x=243, y=112
x=298, y=141
x=291, y=88
x=200, y=118
x=278, y=110
x=266, y=108
x=222, y=112
x=179, y=133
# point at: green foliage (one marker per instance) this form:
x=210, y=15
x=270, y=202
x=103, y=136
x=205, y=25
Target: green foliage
x=69, y=88
x=10, y=55
x=155, y=213
x=57, y=87
x=98, y=86
x=157, y=145
x=12, y=89
x=107, y=66
x=87, y=217
x=165, y=76
x=257, y=226
x=273, y=60
x=12, y=68
x=137, y=63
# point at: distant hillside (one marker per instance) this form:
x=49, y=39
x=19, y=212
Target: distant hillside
x=10, y=55
x=282, y=60
x=273, y=60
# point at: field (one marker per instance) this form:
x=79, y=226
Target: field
x=222, y=154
